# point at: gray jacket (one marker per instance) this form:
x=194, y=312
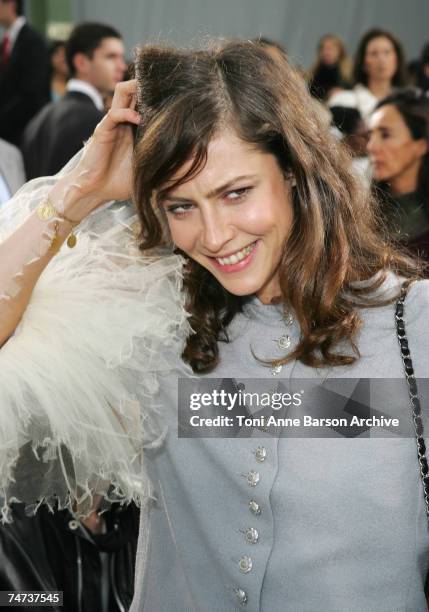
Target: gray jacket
x=276, y=524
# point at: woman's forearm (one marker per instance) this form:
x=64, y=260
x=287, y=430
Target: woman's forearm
x=25, y=253
x=103, y=173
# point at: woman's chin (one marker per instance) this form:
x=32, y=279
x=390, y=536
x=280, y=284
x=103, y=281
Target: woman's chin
x=240, y=289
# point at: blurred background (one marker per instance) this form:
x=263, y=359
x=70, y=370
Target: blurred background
x=297, y=24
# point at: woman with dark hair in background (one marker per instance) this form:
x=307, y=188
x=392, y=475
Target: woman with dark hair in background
x=259, y=258
x=332, y=68
x=59, y=70
x=378, y=68
x=398, y=149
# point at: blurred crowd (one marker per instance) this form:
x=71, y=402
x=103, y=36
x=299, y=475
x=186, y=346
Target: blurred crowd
x=53, y=94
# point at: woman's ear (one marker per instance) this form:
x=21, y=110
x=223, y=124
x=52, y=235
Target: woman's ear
x=423, y=146
x=289, y=176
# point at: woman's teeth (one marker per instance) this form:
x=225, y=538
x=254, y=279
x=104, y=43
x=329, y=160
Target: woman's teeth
x=236, y=257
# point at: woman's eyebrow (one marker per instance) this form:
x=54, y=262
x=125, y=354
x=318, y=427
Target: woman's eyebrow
x=211, y=194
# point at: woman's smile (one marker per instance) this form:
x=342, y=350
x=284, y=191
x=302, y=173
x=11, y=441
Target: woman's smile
x=238, y=260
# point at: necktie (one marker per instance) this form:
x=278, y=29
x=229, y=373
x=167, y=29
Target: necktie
x=5, y=50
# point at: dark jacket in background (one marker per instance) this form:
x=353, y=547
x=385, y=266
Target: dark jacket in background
x=57, y=132
x=24, y=84
x=54, y=552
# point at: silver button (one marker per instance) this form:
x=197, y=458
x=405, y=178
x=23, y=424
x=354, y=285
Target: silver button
x=251, y=534
x=73, y=524
x=252, y=478
x=254, y=507
x=241, y=596
x=284, y=341
x=260, y=454
x=245, y=564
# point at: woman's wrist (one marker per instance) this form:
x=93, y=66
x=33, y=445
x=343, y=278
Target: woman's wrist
x=72, y=199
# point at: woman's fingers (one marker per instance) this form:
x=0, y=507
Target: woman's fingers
x=122, y=109
x=125, y=93
x=114, y=118
x=121, y=115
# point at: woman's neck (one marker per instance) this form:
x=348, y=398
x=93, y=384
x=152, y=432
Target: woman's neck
x=58, y=84
x=380, y=89
x=406, y=182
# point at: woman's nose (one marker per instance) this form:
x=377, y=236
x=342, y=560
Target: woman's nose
x=216, y=232
x=372, y=144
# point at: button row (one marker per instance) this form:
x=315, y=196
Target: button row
x=251, y=534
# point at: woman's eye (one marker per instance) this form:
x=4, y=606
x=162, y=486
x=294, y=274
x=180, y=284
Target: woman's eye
x=237, y=194
x=179, y=209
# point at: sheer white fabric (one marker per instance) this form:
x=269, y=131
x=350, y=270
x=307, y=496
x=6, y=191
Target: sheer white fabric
x=78, y=377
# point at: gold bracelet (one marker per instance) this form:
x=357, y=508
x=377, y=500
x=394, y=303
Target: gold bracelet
x=46, y=211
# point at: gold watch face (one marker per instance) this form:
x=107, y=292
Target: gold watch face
x=45, y=211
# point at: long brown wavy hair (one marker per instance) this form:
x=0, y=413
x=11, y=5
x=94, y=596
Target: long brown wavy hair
x=185, y=98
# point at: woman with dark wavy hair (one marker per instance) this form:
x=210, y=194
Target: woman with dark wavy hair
x=398, y=149
x=261, y=266
x=379, y=67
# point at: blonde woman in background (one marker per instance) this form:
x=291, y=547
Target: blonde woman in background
x=332, y=69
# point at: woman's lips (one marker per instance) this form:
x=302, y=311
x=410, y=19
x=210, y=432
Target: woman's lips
x=240, y=265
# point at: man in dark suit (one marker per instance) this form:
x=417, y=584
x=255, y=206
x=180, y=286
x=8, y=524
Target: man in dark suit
x=95, y=56
x=24, y=72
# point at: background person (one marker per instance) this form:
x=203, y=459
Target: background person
x=52, y=551
x=24, y=72
x=12, y=174
x=95, y=57
x=59, y=69
x=379, y=66
x=423, y=71
x=398, y=149
x=332, y=68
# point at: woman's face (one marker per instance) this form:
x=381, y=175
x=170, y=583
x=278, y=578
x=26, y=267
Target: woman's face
x=380, y=62
x=395, y=156
x=234, y=216
x=58, y=61
x=329, y=52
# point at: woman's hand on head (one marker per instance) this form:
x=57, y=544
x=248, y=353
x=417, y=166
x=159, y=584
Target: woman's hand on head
x=104, y=171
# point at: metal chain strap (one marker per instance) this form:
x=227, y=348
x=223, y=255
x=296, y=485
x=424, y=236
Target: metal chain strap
x=413, y=391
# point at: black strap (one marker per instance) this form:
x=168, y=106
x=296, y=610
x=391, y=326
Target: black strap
x=412, y=390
